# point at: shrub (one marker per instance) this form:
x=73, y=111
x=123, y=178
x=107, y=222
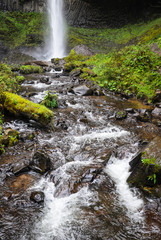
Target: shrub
x=50, y=100
x=27, y=69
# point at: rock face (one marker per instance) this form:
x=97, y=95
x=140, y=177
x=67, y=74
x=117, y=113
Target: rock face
x=25, y=5
x=92, y=13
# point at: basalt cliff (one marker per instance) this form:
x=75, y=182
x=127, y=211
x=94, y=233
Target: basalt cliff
x=93, y=13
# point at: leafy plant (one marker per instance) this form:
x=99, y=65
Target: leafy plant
x=27, y=69
x=151, y=161
x=50, y=100
x=153, y=178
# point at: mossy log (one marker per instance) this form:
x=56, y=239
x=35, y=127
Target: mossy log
x=25, y=108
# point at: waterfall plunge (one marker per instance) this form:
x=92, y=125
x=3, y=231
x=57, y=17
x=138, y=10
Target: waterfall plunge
x=56, y=44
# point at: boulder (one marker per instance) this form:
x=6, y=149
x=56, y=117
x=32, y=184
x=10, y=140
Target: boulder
x=40, y=162
x=10, y=137
x=143, y=115
x=83, y=50
x=146, y=166
x=156, y=113
x=37, y=62
x=75, y=72
x=44, y=79
x=82, y=90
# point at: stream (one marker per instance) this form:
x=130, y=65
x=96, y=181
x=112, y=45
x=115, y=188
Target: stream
x=86, y=194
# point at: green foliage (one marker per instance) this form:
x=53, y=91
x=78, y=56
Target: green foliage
x=8, y=80
x=134, y=69
x=148, y=161
x=19, y=28
x=151, y=161
x=103, y=40
x=74, y=60
x=27, y=69
x=153, y=178
x=50, y=100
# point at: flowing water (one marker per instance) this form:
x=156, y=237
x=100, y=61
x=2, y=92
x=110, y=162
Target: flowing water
x=86, y=196
x=56, y=41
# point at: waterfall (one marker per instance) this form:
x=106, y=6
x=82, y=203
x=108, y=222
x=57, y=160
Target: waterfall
x=56, y=43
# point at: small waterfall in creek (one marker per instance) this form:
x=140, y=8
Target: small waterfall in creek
x=56, y=43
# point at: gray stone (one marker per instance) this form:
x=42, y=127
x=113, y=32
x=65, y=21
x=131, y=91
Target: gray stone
x=82, y=90
x=156, y=113
x=37, y=197
x=84, y=50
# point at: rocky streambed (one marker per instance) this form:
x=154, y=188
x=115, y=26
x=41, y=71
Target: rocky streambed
x=71, y=182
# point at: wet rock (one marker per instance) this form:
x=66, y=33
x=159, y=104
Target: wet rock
x=61, y=124
x=20, y=167
x=10, y=137
x=143, y=115
x=157, y=122
x=37, y=62
x=156, y=113
x=146, y=166
x=58, y=68
x=75, y=72
x=30, y=94
x=82, y=90
x=105, y=157
x=27, y=135
x=98, y=92
x=84, y=50
x=90, y=175
x=37, y=197
x=157, y=97
x=58, y=62
x=130, y=110
x=120, y=115
x=40, y=162
x=21, y=183
x=44, y=79
x=56, y=75
x=158, y=105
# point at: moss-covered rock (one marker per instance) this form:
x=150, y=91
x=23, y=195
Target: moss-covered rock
x=146, y=167
x=22, y=107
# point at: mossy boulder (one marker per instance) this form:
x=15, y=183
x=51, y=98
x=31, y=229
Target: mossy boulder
x=22, y=107
x=10, y=137
x=146, y=167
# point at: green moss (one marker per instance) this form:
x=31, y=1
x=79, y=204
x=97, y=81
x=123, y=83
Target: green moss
x=22, y=107
x=20, y=28
x=27, y=69
x=8, y=80
x=103, y=40
x=74, y=60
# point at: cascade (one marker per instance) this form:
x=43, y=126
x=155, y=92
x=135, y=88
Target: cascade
x=56, y=42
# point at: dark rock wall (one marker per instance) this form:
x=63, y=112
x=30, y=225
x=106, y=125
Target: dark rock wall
x=23, y=5
x=93, y=13
x=113, y=13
